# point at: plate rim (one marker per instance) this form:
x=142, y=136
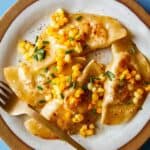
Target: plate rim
x=135, y=143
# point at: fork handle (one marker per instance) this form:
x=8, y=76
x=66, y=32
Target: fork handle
x=53, y=127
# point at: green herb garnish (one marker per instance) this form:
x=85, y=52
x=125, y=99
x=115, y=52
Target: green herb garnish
x=62, y=95
x=46, y=69
x=36, y=39
x=129, y=102
x=147, y=82
x=79, y=18
x=42, y=101
x=69, y=51
x=110, y=75
x=73, y=85
x=39, y=87
x=52, y=75
x=39, y=54
x=94, y=111
x=121, y=83
x=69, y=79
x=92, y=79
x=48, y=81
x=84, y=87
x=45, y=42
x=71, y=38
x=54, y=68
x=132, y=50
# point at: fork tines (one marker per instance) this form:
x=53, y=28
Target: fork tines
x=5, y=93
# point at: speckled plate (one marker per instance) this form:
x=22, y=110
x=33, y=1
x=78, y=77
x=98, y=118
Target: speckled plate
x=28, y=24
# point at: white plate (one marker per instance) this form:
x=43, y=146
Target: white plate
x=27, y=25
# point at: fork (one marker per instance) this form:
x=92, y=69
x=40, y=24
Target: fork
x=15, y=107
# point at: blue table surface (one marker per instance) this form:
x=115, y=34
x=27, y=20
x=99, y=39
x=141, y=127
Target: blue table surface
x=5, y=4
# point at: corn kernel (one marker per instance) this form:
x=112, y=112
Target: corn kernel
x=138, y=93
x=130, y=87
x=72, y=100
x=78, y=92
x=91, y=126
x=39, y=43
x=89, y=132
x=132, y=81
x=102, y=77
x=99, y=104
x=48, y=97
x=93, y=89
x=90, y=86
x=77, y=118
x=67, y=116
x=135, y=100
x=137, y=77
x=128, y=76
x=147, y=88
x=95, y=96
x=67, y=58
x=133, y=73
x=59, y=18
x=123, y=74
x=98, y=110
x=100, y=90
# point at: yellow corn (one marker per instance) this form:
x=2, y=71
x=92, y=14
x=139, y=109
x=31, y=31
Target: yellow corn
x=77, y=118
x=147, y=88
x=67, y=58
x=78, y=93
x=90, y=86
x=137, y=77
x=91, y=126
x=59, y=18
x=123, y=74
x=130, y=87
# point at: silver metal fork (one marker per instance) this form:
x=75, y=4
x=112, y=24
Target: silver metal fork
x=15, y=107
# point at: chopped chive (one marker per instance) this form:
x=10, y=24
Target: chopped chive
x=91, y=79
x=94, y=111
x=110, y=75
x=36, y=49
x=79, y=18
x=42, y=101
x=132, y=50
x=71, y=38
x=35, y=57
x=69, y=51
x=52, y=75
x=84, y=87
x=36, y=39
x=54, y=68
x=45, y=42
x=69, y=79
x=39, y=54
x=73, y=85
x=62, y=95
x=46, y=69
x=129, y=102
x=39, y=87
x=48, y=81
x=121, y=82
x=147, y=82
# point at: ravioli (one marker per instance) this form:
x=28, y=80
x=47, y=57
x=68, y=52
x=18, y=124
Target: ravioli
x=124, y=94
x=98, y=31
